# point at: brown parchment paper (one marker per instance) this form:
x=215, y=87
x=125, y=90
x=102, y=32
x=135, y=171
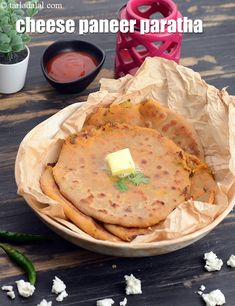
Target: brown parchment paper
x=210, y=111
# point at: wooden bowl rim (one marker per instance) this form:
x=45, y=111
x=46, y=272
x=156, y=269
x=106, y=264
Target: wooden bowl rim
x=123, y=245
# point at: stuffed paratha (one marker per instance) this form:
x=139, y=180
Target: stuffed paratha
x=81, y=176
x=202, y=188
x=85, y=223
x=153, y=115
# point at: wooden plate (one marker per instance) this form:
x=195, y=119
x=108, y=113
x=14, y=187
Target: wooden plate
x=105, y=247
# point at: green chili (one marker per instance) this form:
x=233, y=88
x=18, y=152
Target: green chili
x=6, y=236
x=21, y=260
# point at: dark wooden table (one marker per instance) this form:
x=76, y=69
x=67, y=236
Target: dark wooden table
x=167, y=280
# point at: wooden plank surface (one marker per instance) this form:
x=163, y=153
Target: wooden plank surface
x=167, y=280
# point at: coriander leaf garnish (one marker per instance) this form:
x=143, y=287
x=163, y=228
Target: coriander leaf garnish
x=138, y=178
x=121, y=185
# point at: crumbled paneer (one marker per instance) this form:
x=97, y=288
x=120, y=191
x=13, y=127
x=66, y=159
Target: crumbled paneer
x=11, y=294
x=202, y=288
x=133, y=285
x=10, y=291
x=61, y=296
x=124, y=302
x=7, y=288
x=105, y=302
x=231, y=261
x=58, y=285
x=25, y=289
x=214, y=298
x=45, y=303
x=213, y=263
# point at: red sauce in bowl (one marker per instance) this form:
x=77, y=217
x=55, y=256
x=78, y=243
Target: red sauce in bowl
x=70, y=66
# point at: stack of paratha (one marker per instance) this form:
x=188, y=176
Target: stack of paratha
x=163, y=145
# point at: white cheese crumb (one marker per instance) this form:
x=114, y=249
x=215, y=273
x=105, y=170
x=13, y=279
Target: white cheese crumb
x=213, y=263
x=133, y=285
x=45, y=303
x=58, y=285
x=105, y=302
x=214, y=298
x=61, y=296
x=200, y=292
x=124, y=302
x=25, y=289
x=10, y=291
x=11, y=294
x=202, y=288
x=7, y=288
x=231, y=261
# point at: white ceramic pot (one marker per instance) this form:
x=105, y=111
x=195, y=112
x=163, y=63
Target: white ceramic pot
x=12, y=76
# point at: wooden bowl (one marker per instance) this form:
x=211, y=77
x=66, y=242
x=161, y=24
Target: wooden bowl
x=105, y=247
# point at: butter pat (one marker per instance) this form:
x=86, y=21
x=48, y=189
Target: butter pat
x=121, y=162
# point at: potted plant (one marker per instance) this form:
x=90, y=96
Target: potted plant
x=14, y=53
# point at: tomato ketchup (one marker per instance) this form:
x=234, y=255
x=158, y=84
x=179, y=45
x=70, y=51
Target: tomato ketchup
x=70, y=66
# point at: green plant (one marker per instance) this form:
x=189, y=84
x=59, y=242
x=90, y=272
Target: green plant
x=10, y=40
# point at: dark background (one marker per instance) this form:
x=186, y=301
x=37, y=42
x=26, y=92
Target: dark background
x=167, y=280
